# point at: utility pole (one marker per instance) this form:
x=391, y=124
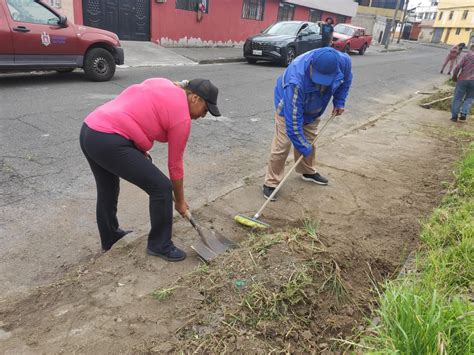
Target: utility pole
x=393, y=22
x=403, y=21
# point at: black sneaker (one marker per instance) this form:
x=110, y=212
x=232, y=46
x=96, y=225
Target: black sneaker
x=175, y=254
x=454, y=119
x=267, y=191
x=462, y=117
x=316, y=178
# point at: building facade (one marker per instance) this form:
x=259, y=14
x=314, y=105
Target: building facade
x=425, y=14
x=373, y=15
x=454, y=22
x=202, y=22
x=385, y=8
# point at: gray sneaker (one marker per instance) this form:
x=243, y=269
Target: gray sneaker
x=317, y=178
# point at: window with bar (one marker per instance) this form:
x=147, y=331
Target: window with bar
x=340, y=19
x=315, y=15
x=191, y=5
x=253, y=9
x=286, y=12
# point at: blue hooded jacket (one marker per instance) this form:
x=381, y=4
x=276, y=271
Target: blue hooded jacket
x=300, y=101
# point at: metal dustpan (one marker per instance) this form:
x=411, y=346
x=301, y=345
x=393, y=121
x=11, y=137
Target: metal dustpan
x=211, y=243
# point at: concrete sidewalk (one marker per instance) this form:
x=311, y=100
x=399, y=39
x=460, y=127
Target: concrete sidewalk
x=149, y=54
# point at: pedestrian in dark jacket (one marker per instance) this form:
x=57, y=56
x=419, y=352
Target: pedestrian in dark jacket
x=327, y=30
x=463, y=75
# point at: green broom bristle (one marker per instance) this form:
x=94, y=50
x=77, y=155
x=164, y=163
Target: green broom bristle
x=250, y=222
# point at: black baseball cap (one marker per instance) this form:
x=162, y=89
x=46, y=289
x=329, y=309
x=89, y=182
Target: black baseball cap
x=208, y=91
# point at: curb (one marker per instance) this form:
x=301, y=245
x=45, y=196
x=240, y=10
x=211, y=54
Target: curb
x=393, y=50
x=222, y=60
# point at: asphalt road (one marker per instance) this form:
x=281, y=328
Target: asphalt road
x=47, y=192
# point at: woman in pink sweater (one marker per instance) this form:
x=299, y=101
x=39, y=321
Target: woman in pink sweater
x=116, y=138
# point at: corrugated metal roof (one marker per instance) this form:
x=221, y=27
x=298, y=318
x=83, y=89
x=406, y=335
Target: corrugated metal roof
x=342, y=7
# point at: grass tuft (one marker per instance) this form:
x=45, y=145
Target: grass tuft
x=431, y=311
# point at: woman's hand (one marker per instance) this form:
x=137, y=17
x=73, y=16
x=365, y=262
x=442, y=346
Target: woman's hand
x=181, y=207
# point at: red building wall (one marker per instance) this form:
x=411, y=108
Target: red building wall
x=222, y=25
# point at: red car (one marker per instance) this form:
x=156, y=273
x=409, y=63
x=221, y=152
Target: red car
x=33, y=36
x=348, y=38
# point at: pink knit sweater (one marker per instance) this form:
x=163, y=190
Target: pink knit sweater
x=155, y=110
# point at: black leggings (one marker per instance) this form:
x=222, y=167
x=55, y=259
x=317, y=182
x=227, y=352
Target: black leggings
x=111, y=156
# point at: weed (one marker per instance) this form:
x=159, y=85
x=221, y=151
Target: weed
x=334, y=283
x=164, y=293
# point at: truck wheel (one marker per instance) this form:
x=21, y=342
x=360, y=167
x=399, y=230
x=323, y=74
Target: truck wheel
x=347, y=49
x=363, y=49
x=99, y=65
x=290, y=56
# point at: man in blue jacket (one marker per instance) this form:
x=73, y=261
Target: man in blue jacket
x=302, y=94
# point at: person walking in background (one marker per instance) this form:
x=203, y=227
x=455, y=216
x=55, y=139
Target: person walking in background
x=452, y=57
x=463, y=75
x=327, y=30
x=116, y=138
x=302, y=94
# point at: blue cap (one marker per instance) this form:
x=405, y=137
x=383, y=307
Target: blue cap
x=325, y=66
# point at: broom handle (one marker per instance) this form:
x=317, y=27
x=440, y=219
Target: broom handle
x=292, y=168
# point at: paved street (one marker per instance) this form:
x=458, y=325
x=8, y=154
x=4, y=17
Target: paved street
x=47, y=193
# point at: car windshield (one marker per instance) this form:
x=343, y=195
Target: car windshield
x=344, y=30
x=283, y=28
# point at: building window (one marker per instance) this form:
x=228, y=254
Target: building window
x=192, y=5
x=387, y=4
x=451, y=13
x=253, y=9
x=464, y=14
x=315, y=15
x=340, y=19
x=54, y=3
x=286, y=12
x=440, y=15
x=458, y=31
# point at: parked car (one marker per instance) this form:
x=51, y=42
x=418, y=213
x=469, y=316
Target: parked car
x=282, y=42
x=33, y=36
x=348, y=38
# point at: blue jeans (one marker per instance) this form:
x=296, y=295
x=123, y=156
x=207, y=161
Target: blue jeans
x=463, y=97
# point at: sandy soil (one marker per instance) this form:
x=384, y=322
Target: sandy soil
x=385, y=177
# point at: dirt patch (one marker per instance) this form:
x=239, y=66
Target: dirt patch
x=293, y=290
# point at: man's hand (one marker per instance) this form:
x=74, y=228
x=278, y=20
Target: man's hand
x=455, y=78
x=337, y=111
x=181, y=207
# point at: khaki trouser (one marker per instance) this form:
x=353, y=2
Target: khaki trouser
x=280, y=149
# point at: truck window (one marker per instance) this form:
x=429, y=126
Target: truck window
x=31, y=12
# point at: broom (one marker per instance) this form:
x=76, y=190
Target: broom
x=253, y=222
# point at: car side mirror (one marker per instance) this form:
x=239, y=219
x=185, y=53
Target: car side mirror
x=62, y=21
